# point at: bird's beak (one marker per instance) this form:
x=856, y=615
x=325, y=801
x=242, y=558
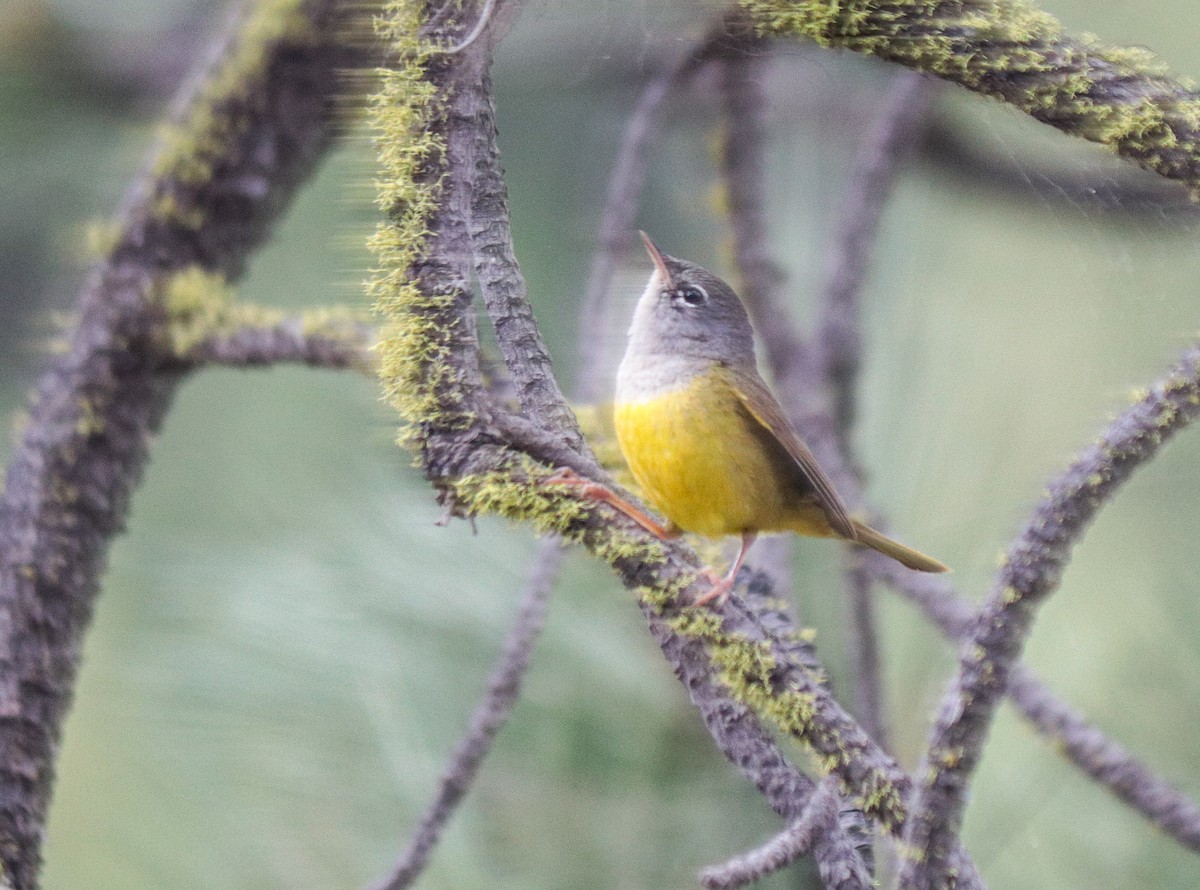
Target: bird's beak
x=657, y=256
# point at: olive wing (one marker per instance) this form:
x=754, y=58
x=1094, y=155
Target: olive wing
x=763, y=408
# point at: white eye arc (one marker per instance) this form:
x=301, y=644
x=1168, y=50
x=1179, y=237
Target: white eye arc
x=689, y=295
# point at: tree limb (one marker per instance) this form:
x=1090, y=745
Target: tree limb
x=249, y=136
x=430, y=371
x=1031, y=572
x=1119, y=97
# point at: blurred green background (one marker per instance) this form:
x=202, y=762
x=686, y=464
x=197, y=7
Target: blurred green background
x=287, y=647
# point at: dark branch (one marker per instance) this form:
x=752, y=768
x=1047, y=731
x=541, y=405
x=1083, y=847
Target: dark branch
x=625, y=186
x=864, y=648
x=743, y=165
x=1032, y=570
x=503, y=286
x=240, y=153
x=335, y=344
x=503, y=692
x=460, y=453
x=843, y=851
x=872, y=178
x=1081, y=742
x=1115, y=96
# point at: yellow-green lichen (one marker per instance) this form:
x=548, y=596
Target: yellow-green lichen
x=199, y=304
x=192, y=146
x=747, y=669
x=407, y=115
x=90, y=421
x=100, y=238
x=523, y=492
x=1117, y=96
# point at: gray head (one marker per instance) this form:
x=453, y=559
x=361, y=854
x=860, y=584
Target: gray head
x=688, y=312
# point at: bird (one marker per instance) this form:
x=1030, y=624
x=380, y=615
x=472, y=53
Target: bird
x=704, y=436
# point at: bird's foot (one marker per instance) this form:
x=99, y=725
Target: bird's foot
x=718, y=593
x=597, y=492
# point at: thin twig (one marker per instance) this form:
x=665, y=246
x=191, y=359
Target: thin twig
x=502, y=695
x=872, y=178
x=864, y=648
x=839, y=340
x=1032, y=571
x=743, y=167
x=820, y=814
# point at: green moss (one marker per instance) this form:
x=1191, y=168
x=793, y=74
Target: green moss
x=101, y=237
x=408, y=116
x=168, y=208
x=199, y=304
x=192, y=146
x=1009, y=49
x=746, y=668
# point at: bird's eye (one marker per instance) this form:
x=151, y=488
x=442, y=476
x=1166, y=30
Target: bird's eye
x=691, y=296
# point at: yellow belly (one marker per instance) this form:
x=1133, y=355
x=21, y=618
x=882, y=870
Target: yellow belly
x=699, y=462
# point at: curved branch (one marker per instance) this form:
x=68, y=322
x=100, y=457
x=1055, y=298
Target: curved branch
x=503, y=692
x=1080, y=741
x=252, y=132
x=872, y=178
x=504, y=291
x=429, y=368
x=1119, y=97
x=820, y=814
x=1032, y=570
x=625, y=186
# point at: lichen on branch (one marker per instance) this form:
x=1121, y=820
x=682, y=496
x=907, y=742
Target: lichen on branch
x=428, y=116
x=1120, y=97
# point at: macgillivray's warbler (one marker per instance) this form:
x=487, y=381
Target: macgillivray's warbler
x=705, y=438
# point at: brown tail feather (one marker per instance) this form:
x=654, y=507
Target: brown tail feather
x=914, y=559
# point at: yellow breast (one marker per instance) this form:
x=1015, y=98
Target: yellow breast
x=698, y=460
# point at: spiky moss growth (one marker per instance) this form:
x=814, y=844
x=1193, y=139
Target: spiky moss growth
x=747, y=668
x=1119, y=97
x=408, y=116
x=421, y=323
x=199, y=304
x=191, y=147
x=520, y=491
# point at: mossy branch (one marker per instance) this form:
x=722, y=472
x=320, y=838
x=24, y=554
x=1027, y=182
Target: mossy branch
x=205, y=324
x=429, y=116
x=1121, y=98
x=250, y=131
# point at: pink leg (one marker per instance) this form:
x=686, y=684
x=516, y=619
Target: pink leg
x=722, y=587
x=598, y=492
